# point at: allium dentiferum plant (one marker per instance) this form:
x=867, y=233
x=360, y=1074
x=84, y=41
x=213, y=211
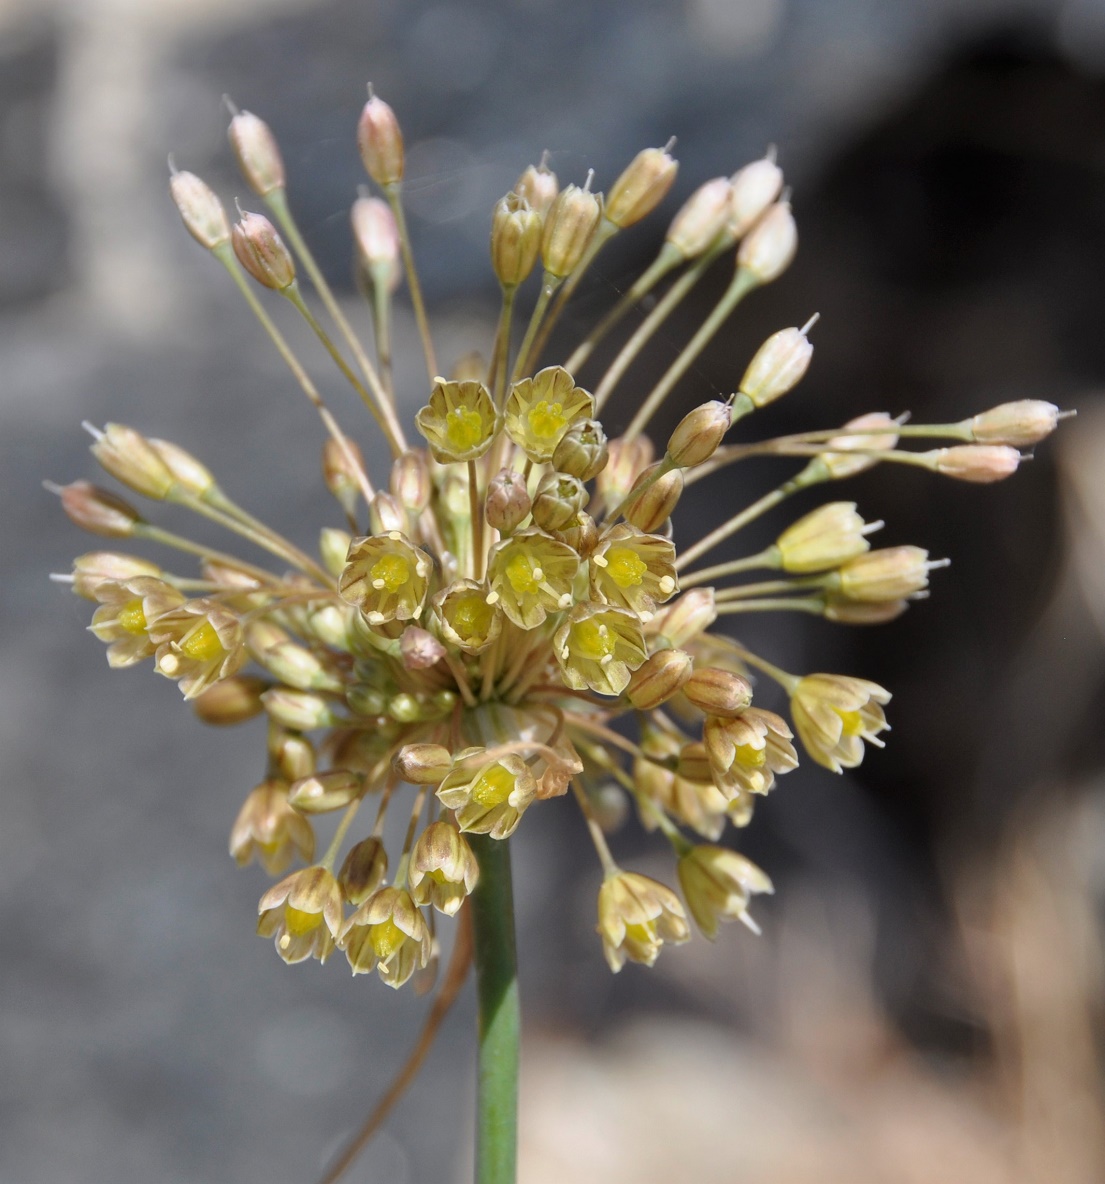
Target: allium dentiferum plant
x=507, y=617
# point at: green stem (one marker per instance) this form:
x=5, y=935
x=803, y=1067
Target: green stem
x=499, y=1014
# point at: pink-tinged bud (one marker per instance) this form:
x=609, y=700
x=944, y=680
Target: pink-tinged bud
x=515, y=239
x=642, y=186
x=769, y=246
x=364, y=870
x=258, y=155
x=410, y=480
x=376, y=238
x=418, y=649
x=129, y=457
x=650, y=508
x=891, y=573
x=702, y=218
x=97, y=511
x=718, y=692
x=626, y=458
x=190, y=475
x=778, y=366
x=569, y=227
x=507, y=502
x=698, y=434
x=262, y=253
x=101, y=567
x=582, y=451
x=755, y=188
x=538, y=186
x=659, y=678
x=686, y=618
x=202, y=212
x=857, y=612
x=1018, y=425
x=981, y=463
x=838, y=463
x=231, y=701
x=423, y=764
x=341, y=478
x=380, y=142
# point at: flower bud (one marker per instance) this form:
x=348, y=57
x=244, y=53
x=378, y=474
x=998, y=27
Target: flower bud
x=302, y=711
x=386, y=514
x=380, y=142
x=338, y=460
x=190, y=475
x=258, y=155
x=777, y=367
x=718, y=692
x=699, y=432
x=649, y=509
x=129, y=457
x=859, y=612
x=98, y=511
x=323, y=792
x=376, y=237
x=515, y=239
x=583, y=450
x=202, y=212
x=659, y=678
x=262, y=253
x=717, y=884
x=686, y=618
x=558, y=500
x=642, y=186
x=293, y=756
x=582, y=535
x=538, y=186
x=769, y=246
x=364, y=870
x=891, y=573
x=232, y=701
x=569, y=226
x=333, y=546
x=423, y=764
x=755, y=188
x=839, y=464
x=626, y=459
x=295, y=665
x=980, y=463
x=825, y=538
x=507, y=502
x=419, y=649
x=410, y=480
x=101, y=567
x=1019, y=425
x=702, y=218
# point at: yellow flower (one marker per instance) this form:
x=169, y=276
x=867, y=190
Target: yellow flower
x=488, y=797
x=747, y=751
x=717, y=884
x=388, y=933
x=599, y=648
x=200, y=642
x=127, y=607
x=834, y=714
x=694, y=801
x=636, y=916
x=385, y=577
x=269, y=829
x=531, y=575
x=443, y=870
x=540, y=410
x=303, y=913
x=823, y=539
x=633, y=570
x=459, y=422
x=466, y=619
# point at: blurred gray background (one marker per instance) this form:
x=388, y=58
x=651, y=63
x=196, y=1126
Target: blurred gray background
x=925, y=1000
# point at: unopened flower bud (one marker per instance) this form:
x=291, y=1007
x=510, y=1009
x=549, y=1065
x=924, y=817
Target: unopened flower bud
x=699, y=432
x=386, y=514
x=231, y=701
x=294, y=756
x=1018, y=425
x=364, y=870
x=838, y=463
x=718, y=692
x=419, y=649
x=380, y=142
x=702, y=218
x=507, y=502
x=410, y=480
x=642, y=186
x=423, y=764
x=129, y=457
x=980, y=463
x=333, y=546
x=298, y=667
x=539, y=186
x=100, y=567
x=686, y=618
x=303, y=711
x=515, y=239
x=190, y=475
x=777, y=367
x=769, y=246
x=659, y=678
x=627, y=458
x=859, y=612
x=891, y=573
x=262, y=253
x=340, y=461
x=258, y=155
x=649, y=509
x=98, y=511
x=323, y=792
x=694, y=763
x=755, y=188
x=569, y=227
x=583, y=451
x=582, y=535
x=202, y=212
x=376, y=238
x=825, y=538
x=558, y=500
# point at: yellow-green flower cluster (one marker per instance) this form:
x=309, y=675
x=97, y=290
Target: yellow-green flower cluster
x=513, y=611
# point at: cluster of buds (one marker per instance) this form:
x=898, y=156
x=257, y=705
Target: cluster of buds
x=473, y=630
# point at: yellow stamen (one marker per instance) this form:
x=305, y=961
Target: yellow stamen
x=524, y=574
x=750, y=756
x=390, y=572
x=385, y=938
x=297, y=922
x=547, y=420
x=593, y=640
x=463, y=428
x=203, y=644
x=472, y=616
x=132, y=617
x=853, y=722
x=627, y=569
x=643, y=933
x=493, y=786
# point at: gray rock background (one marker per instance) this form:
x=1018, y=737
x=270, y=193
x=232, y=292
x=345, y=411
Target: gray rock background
x=946, y=163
